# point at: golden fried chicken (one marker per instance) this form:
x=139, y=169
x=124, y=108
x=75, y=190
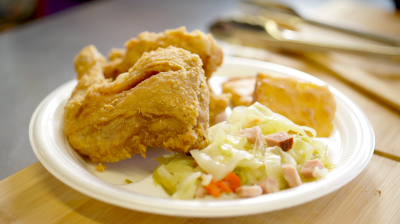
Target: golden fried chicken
x=196, y=42
x=120, y=60
x=89, y=69
x=161, y=102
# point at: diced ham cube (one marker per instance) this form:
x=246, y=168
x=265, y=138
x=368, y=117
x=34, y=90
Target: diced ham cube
x=201, y=192
x=309, y=167
x=280, y=139
x=249, y=191
x=269, y=185
x=291, y=176
x=252, y=134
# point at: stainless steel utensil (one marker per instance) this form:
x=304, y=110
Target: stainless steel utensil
x=285, y=14
x=263, y=32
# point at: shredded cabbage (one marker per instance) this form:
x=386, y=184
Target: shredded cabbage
x=187, y=188
x=228, y=151
x=273, y=167
x=173, y=170
x=320, y=172
x=268, y=121
x=250, y=176
x=219, y=165
x=206, y=179
x=163, y=177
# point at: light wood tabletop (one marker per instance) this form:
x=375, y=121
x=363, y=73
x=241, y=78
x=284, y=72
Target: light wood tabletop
x=33, y=195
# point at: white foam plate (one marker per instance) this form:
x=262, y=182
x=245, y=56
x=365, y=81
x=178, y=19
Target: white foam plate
x=351, y=146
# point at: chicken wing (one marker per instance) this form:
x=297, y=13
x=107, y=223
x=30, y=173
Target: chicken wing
x=162, y=101
x=196, y=42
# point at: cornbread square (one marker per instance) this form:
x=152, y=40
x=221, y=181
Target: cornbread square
x=242, y=90
x=305, y=104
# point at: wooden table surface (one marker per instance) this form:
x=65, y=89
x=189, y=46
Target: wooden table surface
x=33, y=195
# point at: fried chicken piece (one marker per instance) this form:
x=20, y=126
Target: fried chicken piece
x=304, y=103
x=196, y=42
x=161, y=102
x=116, y=56
x=242, y=90
x=116, y=53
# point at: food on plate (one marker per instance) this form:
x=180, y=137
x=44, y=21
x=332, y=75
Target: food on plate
x=280, y=139
x=304, y=103
x=162, y=101
x=269, y=185
x=218, y=104
x=121, y=60
x=239, y=162
x=115, y=54
x=253, y=135
x=196, y=42
x=128, y=181
x=312, y=168
x=242, y=90
x=291, y=175
x=101, y=167
x=155, y=94
x=249, y=191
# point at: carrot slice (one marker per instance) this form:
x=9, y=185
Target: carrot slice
x=223, y=186
x=213, y=189
x=228, y=184
x=233, y=180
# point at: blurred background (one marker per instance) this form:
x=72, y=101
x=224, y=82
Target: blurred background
x=16, y=12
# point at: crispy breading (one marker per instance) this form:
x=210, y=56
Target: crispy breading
x=161, y=102
x=116, y=53
x=120, y=60
x=304, y=103
x=196, y=42
x=242, y=90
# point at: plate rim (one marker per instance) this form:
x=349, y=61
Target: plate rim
x=198, y=208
